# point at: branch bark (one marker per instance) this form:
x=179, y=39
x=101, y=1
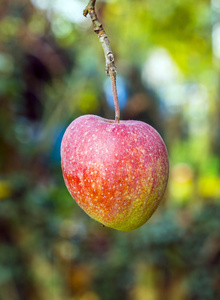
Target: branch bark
x=109, y=56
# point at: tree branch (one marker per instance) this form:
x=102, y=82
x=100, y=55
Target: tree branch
x=109, y=57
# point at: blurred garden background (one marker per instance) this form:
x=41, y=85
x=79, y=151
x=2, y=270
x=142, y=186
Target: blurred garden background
x=52, y=70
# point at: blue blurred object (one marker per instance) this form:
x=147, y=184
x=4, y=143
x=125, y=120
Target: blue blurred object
x=55, y=153
x=122, y=92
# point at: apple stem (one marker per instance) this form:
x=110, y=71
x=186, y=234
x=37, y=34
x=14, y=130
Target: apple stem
x=109, y=56
x=115, y=96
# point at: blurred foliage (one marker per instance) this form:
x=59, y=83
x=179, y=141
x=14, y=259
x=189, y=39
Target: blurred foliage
x=52, y=71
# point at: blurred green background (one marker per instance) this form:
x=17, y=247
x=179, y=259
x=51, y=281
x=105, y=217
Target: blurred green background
x=52, y=70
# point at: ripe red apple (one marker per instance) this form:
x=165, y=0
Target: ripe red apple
x=116, y=172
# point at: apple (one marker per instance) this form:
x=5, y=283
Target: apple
x=116, y=171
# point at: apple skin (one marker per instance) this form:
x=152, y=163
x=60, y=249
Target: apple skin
x=116, y=172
